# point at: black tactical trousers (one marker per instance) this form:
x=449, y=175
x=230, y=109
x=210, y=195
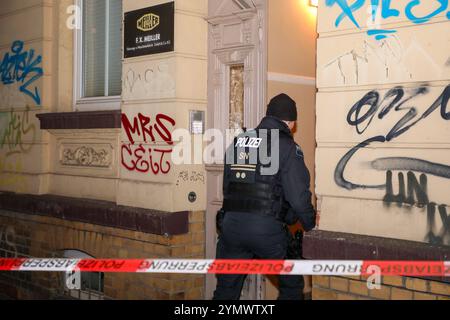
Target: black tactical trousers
x=240, y=242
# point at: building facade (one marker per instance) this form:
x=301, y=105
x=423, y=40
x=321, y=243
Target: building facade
x=382, y=132
x=97, y=97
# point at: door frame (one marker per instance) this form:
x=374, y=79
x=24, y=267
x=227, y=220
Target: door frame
x=237, y=35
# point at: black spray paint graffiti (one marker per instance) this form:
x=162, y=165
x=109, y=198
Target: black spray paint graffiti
x=415, y=192
x=442, y=236
x=393, y=102
x=361, y=116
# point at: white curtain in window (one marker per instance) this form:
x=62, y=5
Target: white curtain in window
x=115, y=48
x=102, y=43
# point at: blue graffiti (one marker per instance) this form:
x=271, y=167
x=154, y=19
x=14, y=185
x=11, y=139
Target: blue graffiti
x=347, y=10
x=387, y=12
x=414, y=3
x=379, y=34
x=22, y=67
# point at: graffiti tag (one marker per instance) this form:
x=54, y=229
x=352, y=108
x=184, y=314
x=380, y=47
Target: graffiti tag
x=387, y=10
x=23, y=67
x=140, y=157
x=393, y=102
x=18, y=125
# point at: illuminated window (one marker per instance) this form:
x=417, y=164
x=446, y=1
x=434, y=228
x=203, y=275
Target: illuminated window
x=98, y=55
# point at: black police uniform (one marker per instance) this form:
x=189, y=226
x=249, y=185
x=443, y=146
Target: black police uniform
x=258, y=207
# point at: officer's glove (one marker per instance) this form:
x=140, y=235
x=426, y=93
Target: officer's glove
x=219, y=220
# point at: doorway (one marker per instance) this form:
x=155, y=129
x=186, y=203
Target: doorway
x=237, y=78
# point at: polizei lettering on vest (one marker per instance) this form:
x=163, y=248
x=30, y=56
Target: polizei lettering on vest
x=247, y=142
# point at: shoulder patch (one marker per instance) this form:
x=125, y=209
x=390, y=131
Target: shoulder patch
x=298, y=152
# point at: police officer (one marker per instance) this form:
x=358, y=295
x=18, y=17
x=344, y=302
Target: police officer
x=262, y=196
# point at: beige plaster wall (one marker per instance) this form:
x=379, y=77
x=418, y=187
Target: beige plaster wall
x=356, y=197
x=178, y=87
x=32, y=160
x=37, y=161
x=23, y=147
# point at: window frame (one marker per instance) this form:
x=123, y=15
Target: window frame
x=80, y=103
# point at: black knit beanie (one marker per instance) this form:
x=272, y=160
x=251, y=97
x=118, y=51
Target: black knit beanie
x=282, y=107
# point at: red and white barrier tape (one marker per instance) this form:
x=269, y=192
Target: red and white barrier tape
x=211, y=266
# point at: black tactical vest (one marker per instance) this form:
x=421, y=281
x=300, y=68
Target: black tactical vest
x=249, y=188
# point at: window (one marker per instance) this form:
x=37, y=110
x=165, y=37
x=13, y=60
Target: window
x=98, y=55
x=82, y=285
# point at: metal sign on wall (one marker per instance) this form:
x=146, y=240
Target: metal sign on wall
x=149, y=30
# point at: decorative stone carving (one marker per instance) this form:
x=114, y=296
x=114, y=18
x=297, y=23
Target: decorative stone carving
x=85, y=157
x=236, y=97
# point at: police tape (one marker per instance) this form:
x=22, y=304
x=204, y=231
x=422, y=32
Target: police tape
x=215, y=266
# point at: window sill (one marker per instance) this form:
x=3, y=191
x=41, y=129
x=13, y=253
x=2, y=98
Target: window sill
x=98, y=104
x=81, y=120
x=96, y=212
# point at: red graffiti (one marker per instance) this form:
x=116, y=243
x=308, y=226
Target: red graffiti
x=137, y=157
x=143, y=128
